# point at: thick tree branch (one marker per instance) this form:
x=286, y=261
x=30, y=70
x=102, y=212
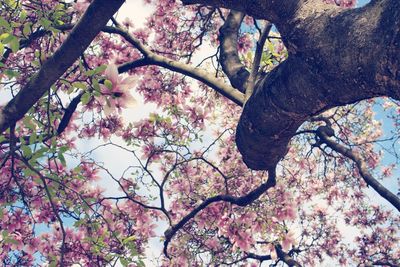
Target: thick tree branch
x=240, y=201
x=325, y=132
x=151, y=58
x=260, y=258
x=323, y=71
x=381, y=263
x=69, y=111
x=262, y=9
x=229, y=56
x=285, y=257
x=94, y=19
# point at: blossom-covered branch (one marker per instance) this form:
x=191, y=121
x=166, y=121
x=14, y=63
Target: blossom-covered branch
x=94, y=19
x=325, y=132
x=151, y=58
x=240, y=201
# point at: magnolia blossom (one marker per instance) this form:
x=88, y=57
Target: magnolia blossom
x=272, y=251
x=118, y=96
x=81, y=5
x=288, y=241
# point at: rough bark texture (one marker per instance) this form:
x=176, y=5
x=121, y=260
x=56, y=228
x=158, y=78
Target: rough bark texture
x=336, y=57
x=94, y=19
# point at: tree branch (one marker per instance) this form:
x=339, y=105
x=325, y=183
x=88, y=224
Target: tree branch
x=285, y=257
x=151, y=58
x=69, y=111
x=325, y=132
x=322, y=72
x=229, y=56
x=283, y=14
x=240, y=201
x=257, y=59
x=94, y=19
x=60, y=221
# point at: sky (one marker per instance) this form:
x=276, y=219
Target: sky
x=362, y=2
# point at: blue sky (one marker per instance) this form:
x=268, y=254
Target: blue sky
x=362, y=2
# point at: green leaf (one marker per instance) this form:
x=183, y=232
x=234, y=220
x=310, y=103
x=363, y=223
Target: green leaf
x=6, y=37
x=85, y=98
x=15, y=24
x=100, y=69
x=10, y=73
x=28, y=172
x=54, y=30
x=79, y=223
x=53, y=263
x=78, y=169
x=89, y=73
x=270, y=46
x=63, y=149
x=4, y=24
x=97, y=70
x=70, y=90
x=79, y=85
x=27, y=29
x=27, y=151
x=33, y=138
x=124, y=262
x=22, y=15
x=14, y=44
x=10, y=241
x=45, y=23
x=62, y=159
x=96, y=85
x=108, y=84
x=129, y=239
x=4, y=233
x=152, y=117
x=39, y=153
x=28, y=123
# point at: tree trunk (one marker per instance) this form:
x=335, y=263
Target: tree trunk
x=336, y=57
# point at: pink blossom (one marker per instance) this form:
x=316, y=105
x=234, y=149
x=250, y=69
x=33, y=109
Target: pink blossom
x=81, y=5
x=288, y=241
x=272, y=251
x=118, y=96
x=243, y=240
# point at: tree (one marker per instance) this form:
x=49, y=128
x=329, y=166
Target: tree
x=284, y=187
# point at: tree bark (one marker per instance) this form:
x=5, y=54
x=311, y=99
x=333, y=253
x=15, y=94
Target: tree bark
x=336, y=57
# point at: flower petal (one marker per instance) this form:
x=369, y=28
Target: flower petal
x=108, y=109
x=112, y=73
